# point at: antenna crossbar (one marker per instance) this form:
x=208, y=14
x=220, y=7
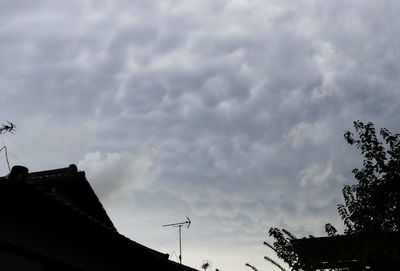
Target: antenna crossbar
x=180, y=225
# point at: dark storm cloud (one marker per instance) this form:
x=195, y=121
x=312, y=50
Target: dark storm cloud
x=232, y=110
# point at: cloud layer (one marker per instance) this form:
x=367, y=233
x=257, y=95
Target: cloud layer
x=229, y=112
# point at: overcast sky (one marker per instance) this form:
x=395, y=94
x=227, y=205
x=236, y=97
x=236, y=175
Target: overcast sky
x=229, y=112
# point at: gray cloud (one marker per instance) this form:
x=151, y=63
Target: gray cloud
x=230, y=112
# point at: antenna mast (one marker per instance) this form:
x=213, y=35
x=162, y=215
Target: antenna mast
x=179, y=225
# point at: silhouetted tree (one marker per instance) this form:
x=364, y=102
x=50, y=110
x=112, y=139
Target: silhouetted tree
x=371, y=204
x=284, y=249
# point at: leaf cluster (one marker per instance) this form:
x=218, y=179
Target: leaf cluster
x=283, y=248
x=372, y=204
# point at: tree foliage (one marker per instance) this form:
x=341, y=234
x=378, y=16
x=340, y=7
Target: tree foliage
x=284, y=249
x=372, y=203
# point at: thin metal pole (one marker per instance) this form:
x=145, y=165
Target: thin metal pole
x=180, y=244
x=180, y=224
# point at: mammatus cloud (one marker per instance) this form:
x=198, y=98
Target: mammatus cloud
x=231, y=112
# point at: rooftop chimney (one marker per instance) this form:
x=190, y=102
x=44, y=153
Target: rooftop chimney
x=18, y=173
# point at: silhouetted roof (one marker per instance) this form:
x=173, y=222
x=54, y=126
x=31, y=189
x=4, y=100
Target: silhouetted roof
x=70, y=186
x=56, y=214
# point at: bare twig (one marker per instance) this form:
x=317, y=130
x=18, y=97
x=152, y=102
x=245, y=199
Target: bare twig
x=269, y=245
x=274, y=263
x=251, y=266
x=289, y=234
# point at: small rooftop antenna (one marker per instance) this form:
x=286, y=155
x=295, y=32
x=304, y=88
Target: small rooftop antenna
x=179, y=225
x=9, y=127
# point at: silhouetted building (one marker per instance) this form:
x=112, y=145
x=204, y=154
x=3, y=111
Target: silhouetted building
x=363, y=251
x=53, y=220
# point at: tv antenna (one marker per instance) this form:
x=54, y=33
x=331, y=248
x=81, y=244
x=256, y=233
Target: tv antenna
x=9, y=127
x=180, y=225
